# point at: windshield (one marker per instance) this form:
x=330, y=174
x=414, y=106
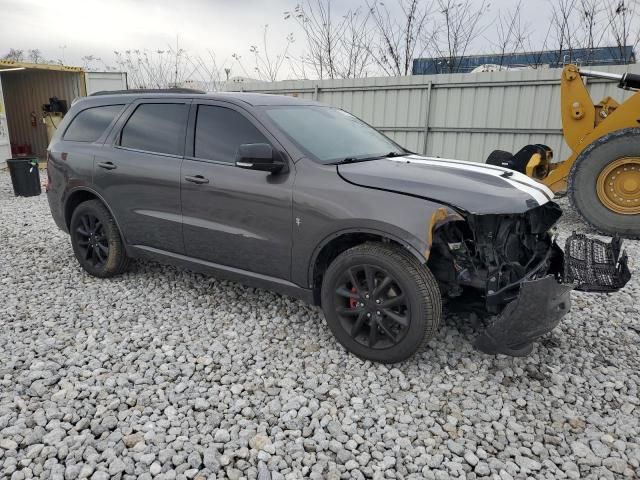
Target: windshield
x=329, y=135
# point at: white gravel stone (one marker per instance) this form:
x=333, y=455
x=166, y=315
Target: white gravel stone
x=163, y=372
x=8, y=444
x=155, y=468
x=471, y=458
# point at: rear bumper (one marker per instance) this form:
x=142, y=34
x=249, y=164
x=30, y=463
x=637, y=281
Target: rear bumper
x=57, y=211
x=537, y=310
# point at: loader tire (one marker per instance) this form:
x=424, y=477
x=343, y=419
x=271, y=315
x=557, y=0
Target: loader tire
x=604, y=183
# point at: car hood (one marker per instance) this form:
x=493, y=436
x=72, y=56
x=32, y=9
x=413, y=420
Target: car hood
x=474, y=187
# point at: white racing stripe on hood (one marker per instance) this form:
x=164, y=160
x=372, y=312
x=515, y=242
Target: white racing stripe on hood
x=517, y=176
x=534, y=191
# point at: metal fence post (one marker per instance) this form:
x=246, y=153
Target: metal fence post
x=316, y=92
x=426, y=118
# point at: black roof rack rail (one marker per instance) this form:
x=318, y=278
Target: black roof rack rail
x=148, y=90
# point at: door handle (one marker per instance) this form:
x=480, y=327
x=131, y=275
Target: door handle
x=199, y=179
x=107, y=165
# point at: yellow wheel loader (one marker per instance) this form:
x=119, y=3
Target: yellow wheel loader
x=602, y=175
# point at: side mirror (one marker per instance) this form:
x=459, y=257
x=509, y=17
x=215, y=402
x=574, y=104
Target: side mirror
x=258, y=156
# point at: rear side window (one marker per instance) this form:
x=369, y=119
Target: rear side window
x=156, y=127
x=91, y=123
x=220, y=131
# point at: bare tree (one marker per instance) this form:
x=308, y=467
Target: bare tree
x=623, y=30
x=592, y=25
x=563, y=29
x=511, y=32
x=460, y=25
x=321, y=35
x=240, y=64
x=400, y=38
x=15, y=55
x=35, y=56
x=268, y=64
x=154, y=69
x=337, y=45
x=355, y=57
x=208, y=71
x=94, y=63
x=535, y=52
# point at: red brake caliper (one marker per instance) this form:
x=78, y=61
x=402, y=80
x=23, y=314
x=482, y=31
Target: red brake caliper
x=353, y=303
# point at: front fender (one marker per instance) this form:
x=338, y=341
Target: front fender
x=411, y=242
x=325, y=207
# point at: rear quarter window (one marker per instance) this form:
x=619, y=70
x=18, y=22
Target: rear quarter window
x=90, y=124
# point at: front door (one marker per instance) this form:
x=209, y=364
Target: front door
x=138, y=173
x=234, y=217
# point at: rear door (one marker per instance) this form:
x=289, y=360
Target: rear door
x=138, y=173
x=234, y=217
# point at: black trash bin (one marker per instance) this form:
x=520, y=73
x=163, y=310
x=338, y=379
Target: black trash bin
x=25, y=176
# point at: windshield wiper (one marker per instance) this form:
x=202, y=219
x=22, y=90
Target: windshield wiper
x=346, y=160
x=366, y=159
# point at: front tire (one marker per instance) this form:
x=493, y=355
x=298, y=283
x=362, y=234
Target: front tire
x=96, y=240
x=380, y=302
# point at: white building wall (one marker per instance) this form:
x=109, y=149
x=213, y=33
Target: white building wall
x=105, y=81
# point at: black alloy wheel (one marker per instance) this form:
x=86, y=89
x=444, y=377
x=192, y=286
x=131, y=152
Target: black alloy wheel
x=381, y=302
x=96, y=240
x=372, y=307
x=92, y=241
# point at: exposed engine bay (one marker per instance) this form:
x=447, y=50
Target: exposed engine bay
x=494, y=253
x=509, y=266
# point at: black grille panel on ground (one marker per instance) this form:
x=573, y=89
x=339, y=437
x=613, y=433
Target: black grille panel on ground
x=595, y=266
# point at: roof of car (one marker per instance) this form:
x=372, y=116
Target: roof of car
x=254, y=99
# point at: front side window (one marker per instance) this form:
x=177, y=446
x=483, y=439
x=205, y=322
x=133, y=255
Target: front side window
x=220, y=131
x=90, y=124
x=156, y=127
x=328, y=134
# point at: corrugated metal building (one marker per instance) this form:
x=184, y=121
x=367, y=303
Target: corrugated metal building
x=26, y=87
x=550, y=58
x=463, y=116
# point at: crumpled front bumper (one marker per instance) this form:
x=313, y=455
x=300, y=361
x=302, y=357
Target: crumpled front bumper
x=537, y=310
x=589, y=265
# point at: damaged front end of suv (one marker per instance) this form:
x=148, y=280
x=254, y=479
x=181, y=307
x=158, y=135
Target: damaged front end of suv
x=509, y=267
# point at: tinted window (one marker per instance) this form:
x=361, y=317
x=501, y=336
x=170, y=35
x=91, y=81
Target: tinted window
x=220, y=131
x=89, y=124
x=156, y=127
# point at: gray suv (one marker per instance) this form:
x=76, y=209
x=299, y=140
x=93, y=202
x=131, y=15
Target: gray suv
x=309, y=201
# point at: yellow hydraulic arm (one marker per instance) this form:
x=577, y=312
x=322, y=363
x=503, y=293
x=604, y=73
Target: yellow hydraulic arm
x=583, y=122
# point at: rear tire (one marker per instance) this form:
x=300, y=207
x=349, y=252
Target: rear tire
x=583, y=183
x=96, y=240
x=380, y=302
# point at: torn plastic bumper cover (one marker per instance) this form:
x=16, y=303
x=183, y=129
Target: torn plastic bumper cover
x=595, y=266
x=590, y=265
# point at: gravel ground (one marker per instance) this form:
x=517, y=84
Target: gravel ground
x=169, y=374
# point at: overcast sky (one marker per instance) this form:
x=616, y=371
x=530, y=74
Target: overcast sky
x=98, y=27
